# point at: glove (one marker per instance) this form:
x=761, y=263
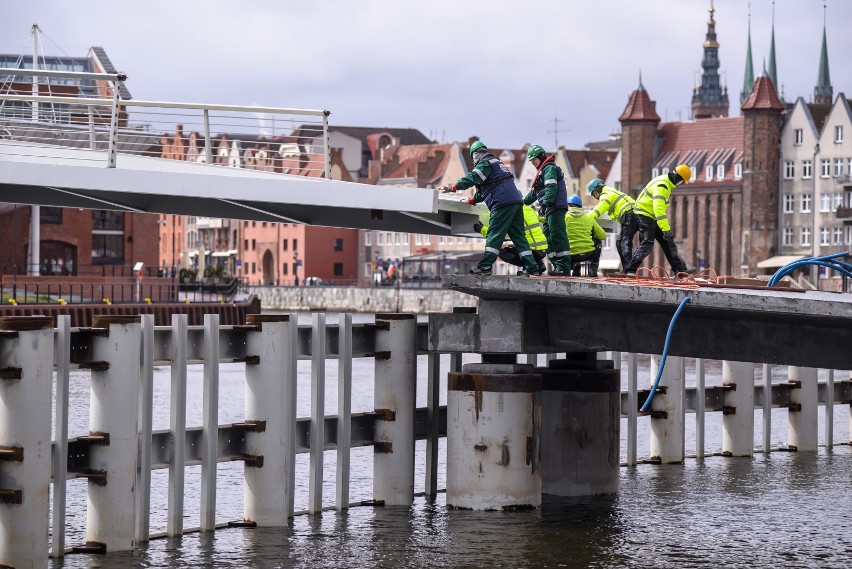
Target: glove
x=471, y=201
x=449, y=189
x=668, y=235
x=477, y=227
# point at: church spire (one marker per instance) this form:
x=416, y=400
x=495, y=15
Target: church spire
x=748, y=79
x=710, y=99
x=773, y=74
x=823, y=92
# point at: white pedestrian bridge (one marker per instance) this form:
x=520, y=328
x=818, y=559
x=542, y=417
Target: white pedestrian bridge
x=68, y=140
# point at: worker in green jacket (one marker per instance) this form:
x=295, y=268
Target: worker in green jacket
x=585, y=235
x=651, y=207
x=495, y=185
x=619, y=207
x=550, y=191
x=535, y=237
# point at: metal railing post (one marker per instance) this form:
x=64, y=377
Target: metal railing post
x=394, y=402
x=344, y=408
x=113, y=435
x=208, y=143
x=829, y=410
x=632, y=407
x=112, y=149
x=802, y=429
x=317, y=437
x=146, y=414
x=177, y=426
x=767, y=408
x=737, y=408
x=92, y=135
x=26, y=358
x=667, y=413
x=60, y=445
x=326, y=145
x=433, y=393
x=699, y=407
x=210, y=421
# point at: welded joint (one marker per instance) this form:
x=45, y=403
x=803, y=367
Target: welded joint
x=11, y=373
x=96, y=438
x=729, y=410
x=95, y=366
x=12, y=454
x=11, y=496
x=385, y=414
x=94, y=547
x=383, y=447
x=252, y=460
x=98, y=477
x=251, y=360
x=251, y=425
x=794, y=407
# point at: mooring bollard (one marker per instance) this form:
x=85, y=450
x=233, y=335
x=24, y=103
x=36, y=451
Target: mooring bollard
x=113, y=438
x=26, y=375
x=493, y=437
x=802, y=430
x=394, y=402
x=737, y=408
x=268, y=389
x=580, y=426
x=667, y=413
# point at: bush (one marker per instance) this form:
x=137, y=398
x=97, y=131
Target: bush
x=188, y=275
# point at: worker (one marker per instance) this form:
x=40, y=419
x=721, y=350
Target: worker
x=619, y=207
x=550, y=191
x=535, y=237
x=651, y=207
x=585, y=235
x=495, y=185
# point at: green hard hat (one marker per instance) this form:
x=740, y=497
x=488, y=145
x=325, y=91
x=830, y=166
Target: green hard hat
x=476, y=146
x=534, y=151
x=595, y=184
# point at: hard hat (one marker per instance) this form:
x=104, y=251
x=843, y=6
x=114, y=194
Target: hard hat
x=575, y=200
x=684, y=172
x=476, y=146
x=534, y=152
x=595, y=184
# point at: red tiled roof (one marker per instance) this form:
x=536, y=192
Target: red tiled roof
x=426, y=162
x=762, y=96
x=639, y=107
x=600, y=159
x=703, y=134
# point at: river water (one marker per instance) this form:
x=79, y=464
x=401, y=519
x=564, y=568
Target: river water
x=784, y=509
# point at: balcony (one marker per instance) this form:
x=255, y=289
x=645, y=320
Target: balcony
x=844, y=212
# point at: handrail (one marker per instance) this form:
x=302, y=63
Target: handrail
x=63, y=74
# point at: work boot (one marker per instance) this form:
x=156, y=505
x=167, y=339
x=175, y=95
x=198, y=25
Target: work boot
x=524, y=273
x=481, y=271
x=624, y=274
x=558, y=273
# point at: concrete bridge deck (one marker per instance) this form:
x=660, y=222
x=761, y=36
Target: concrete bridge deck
x=529, y=315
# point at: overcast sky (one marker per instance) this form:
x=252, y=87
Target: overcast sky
x=501, y=70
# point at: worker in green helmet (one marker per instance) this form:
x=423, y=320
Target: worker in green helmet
x=586, y=237
x=550, y=191
x=495, y=185
x=619, y=207
x=535, y=237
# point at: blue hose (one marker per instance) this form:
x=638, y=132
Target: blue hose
x=829, y=261
x=650, y=398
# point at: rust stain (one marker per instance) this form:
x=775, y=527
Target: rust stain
x=477, y=402
x=505, y=457
x=480, y=448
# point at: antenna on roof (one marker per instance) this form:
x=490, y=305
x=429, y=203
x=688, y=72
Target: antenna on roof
x=555, y=132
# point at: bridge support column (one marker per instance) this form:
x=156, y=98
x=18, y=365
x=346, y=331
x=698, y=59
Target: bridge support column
x=394, y=398
x=113, y=414
x=738, y=408
x=667, y=413
x=270, y=394
x=802, y=430
x=26, y=358
x=580, y=426
x=493, y=437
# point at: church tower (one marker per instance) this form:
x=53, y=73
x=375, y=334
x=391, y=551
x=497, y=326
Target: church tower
x=823, y=92
x=710, y=99
x=639, y=123
x=748, y=79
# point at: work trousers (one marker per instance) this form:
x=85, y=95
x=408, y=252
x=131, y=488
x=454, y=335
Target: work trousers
x=507, y=220
x=509, y=254
x=624, y=242
x=558, y=250
x=649, y=232
x=594, y=259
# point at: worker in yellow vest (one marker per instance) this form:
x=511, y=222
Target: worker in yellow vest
x=534, y=233
x=585, y=236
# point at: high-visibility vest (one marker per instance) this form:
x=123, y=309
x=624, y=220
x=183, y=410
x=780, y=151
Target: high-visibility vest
x=653, y=201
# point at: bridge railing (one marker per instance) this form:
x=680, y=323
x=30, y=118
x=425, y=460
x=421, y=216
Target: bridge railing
x=120, y=449
x=85, y=111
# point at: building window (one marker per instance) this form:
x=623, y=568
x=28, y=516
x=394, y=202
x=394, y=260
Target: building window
x=441, y=240
x=245, y=244
x=254, y=268
x=338, y=244
x=380, y=238
x=368, y=239
x=806, y=203
x=798, y=136
x=825, y=167
x=806, y=169
x=738, y=171
x=838, y=167
x=338, y=269
x=253, y=244
x=838, y=200
x=50, y=214
x=789, y=199
x=805, y=236
x=284, y=268
x=708, y=173
x=418, y=239
x=103, y=220
x=789, y=169
x=295, y=245
x=837, y=235
x=396, y=239
x=107, y=237
x=405, y=237
x=823, y=236
x=389, y=238
x=849, y=167
x=838, y=133
x=264, y=224
x=720, y=172
x=788, y=236
x=825, y=202
x=427, y=239
x=284, y=244
x=655, y=172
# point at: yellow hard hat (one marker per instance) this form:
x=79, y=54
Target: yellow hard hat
x=684, y=172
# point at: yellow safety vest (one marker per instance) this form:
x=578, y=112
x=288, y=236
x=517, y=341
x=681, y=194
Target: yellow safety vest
x=653, y=201
x=532, y=230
